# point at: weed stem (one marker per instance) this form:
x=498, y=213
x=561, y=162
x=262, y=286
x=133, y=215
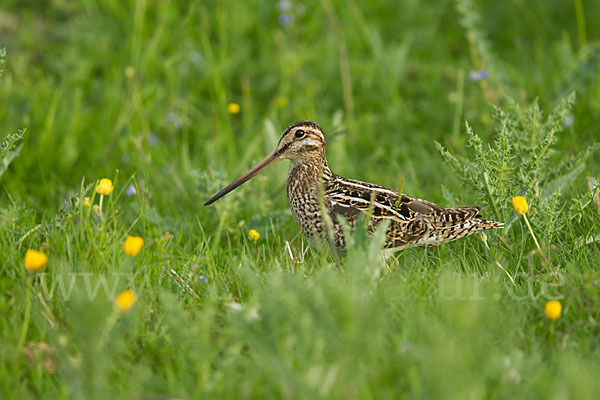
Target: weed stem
x=490, y=197
x=484, y=239
x=27, y=316
x=546, y=261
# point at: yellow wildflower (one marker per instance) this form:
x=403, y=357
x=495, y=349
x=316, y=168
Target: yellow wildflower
x=133, y=245
x=129, y=72
x=281, y=102
x=105, y=187
x=233, y=108
x=86, y=202
x=125, y=301
x=553, y=309
x=35, y=260
x=520, y=205
x=254, y=235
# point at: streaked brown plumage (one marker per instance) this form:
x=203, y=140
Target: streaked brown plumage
x=312, y=187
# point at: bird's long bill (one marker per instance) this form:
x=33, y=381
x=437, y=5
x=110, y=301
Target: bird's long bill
x=270, y=159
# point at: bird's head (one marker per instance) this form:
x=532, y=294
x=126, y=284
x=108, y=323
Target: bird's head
x=301, y=140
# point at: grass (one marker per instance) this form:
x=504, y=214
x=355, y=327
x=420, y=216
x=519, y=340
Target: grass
x=138, y=92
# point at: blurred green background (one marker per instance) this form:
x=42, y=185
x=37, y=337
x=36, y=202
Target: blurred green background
x=139, y=92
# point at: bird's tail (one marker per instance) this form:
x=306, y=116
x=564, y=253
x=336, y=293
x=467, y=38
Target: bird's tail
x=484, y=224
x=467, y=221
x=469, y=217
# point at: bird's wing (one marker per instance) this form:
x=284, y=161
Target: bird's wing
x=413, y=221
x=350, y=196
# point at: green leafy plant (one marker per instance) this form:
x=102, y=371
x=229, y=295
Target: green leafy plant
x=9, y=148
x=2, y=56
x=522, y=161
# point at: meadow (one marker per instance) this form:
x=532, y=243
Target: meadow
x=458, y=102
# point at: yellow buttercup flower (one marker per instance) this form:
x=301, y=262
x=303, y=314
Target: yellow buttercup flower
x=35, y=260
x=233, y=108
x=105, y=186
x=553, y=309
x=133, y=245
x=125, y=301
x=254, y=235
x=520, y=205
x=86, y=202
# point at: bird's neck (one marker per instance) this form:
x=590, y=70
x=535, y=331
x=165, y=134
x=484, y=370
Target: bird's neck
x=311, y=170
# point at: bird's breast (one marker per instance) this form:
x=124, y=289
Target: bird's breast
x=302, y=193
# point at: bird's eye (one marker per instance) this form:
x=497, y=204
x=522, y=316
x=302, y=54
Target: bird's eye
x=299, y=133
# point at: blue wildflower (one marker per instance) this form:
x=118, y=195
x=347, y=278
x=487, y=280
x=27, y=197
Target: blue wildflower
x=478, y=75
x=152, y=138
x=131, y=190
x=174, y=120
x=285, y=19
x=568, y=121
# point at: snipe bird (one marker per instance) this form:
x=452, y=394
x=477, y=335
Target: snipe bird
x=313, y=188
